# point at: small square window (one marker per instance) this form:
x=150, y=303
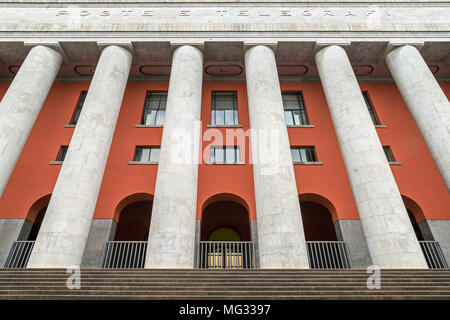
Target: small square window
x=154, y=109
x=224, y=109
x=389, y=155
x=79, y=106
x=294, y=109
x=225, y=155
x=303, y=154
x=62, y=153
x=146, y=154
x=371, y=109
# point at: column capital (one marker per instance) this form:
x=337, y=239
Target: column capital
x=323, y=44
x=270, y=44
x=199, y=45
x=55, y=45
x=127, y=45
x=392, y=45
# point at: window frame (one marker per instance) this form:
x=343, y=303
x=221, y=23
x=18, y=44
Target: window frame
x=214, y=110
x=303, y=118
x=389, y=154
x=370, y=107
x=149, y=160
x=62, y=153
x=78, y=107
x=312, y=151
x=236, y=155
x=147, y=110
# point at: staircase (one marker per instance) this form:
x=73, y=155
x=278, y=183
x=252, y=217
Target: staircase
x=223, y=284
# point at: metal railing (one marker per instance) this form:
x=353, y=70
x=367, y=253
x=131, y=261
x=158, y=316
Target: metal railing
x=124, y=255
x=225, y=255
x=433, y=254
x=328, y=255
x=19, y=254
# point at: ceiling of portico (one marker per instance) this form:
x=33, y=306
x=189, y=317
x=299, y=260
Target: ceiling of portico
x=224, y=59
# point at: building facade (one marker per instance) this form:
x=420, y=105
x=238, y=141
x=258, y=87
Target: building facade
x=226, y=134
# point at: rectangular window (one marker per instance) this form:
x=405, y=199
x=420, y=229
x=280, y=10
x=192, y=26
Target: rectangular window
x=62, y=153
x=303, y=154
x=154, y=109
x=146, y=154
x=76, y=113
x=228, y=155
x=389, y=154
x=224, y=109
x=372, y=112
x=294, y=109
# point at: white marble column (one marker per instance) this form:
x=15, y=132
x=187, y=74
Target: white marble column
x=22, y=103
x=281, y=237
x=65, y=229
x=426, y=102
x=171, y=237
x=388, y=231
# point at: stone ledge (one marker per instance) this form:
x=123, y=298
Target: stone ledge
x=141, y=163
x=301, y=126
x=309, y=163
x=148, y=126
x=225, y=126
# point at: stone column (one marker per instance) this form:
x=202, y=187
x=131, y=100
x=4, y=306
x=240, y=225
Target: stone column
x=390, y=237
x=426, y=102
x=281, y=240
x=171, y=237
x=22, y=103
x=65, y=228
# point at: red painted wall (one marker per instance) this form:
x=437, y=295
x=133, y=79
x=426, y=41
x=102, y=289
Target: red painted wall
x=33, y=176
x=417, y=177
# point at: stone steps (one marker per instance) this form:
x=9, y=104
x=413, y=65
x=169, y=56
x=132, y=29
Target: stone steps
x=223, y=284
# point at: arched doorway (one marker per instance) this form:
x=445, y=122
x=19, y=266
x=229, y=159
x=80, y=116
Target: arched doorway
x=36, y=215
x=134, y=221
x=225, y=235
x=416, y=216
x=21, y=249
x=228, y=220
x=128, y=250
x=324, y=249
x=317, y=222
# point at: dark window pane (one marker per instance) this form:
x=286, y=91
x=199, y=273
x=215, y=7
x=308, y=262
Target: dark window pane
x=79, y=106
x=372, y=112
x=62, y=153
x=137, y=154
x=388, y=153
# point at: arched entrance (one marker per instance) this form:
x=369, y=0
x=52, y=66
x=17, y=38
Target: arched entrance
x=36, y=215
x=225, y=234
x=416, y=216
x=317, y=222
x=324, y=249
x=134, y=221
x=21, y=249
x=431, y=249
x=133, y=215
